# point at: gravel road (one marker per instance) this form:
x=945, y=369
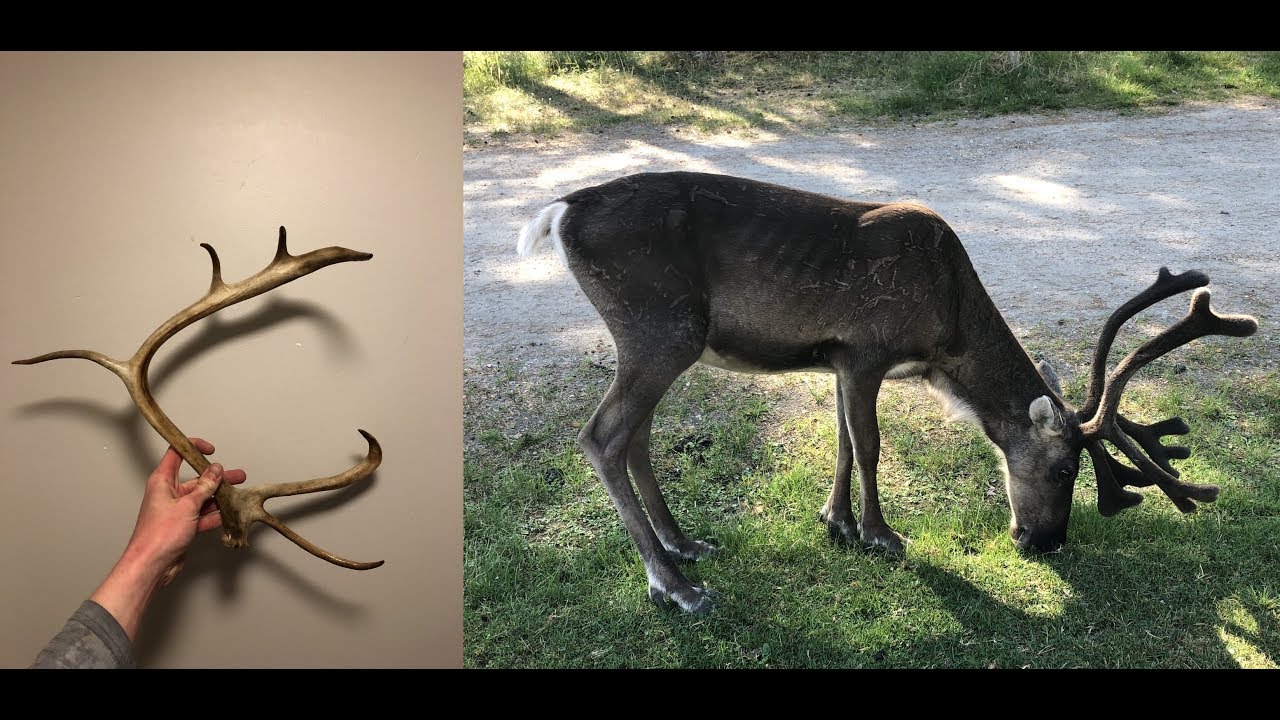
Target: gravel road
x=1064, y=216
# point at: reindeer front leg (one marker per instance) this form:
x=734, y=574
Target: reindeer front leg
x=859, y=407
x=837, y=513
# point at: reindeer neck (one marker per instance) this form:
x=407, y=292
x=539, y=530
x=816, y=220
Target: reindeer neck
x=992, y=375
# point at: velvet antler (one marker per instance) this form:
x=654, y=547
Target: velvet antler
x=1100, y=419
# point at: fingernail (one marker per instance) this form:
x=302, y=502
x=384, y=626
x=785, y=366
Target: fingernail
x=214, y=471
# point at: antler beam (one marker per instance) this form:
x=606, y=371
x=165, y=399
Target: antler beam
x=239, y=507
x=1166, y=286
x=1101, y=408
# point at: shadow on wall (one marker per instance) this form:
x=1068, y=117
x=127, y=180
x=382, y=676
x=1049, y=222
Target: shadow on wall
x=213, y=331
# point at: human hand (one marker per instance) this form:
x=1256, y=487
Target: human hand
x=172, y=512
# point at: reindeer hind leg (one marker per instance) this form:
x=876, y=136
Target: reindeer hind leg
x=643, y=377
x=668, y=530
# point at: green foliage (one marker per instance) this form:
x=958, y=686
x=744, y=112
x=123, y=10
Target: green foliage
x=485, y=71
x=552, y=92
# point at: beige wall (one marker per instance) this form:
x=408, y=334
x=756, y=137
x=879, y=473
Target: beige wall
x=113, y=168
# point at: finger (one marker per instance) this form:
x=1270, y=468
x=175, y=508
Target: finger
x=209, y=521
x=168, y=467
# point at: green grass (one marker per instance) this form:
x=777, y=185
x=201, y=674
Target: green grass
x=548, y=93
x=552, y=580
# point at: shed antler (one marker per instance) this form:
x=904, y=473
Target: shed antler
x=1100, y=419
x=240, y=507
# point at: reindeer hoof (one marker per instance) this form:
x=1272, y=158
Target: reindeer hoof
x=693, y=600
x=689, y=549
x=841, y=527
x=843, y=532
x=884, y=539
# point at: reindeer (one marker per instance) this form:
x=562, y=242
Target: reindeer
x=754, y=277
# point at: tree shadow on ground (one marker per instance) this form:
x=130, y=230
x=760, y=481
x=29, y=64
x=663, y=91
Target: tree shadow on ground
x=688, y=92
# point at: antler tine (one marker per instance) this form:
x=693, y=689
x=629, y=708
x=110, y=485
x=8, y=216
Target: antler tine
x=1181, y=493
x=1148, y=436
x=111, y=364
x=1166, y=286
x=217, y=282
x=1112, y=497
x=255, y=497
x=239, y=508
x=282, y=250
x=1113, y=476
x=283, y=268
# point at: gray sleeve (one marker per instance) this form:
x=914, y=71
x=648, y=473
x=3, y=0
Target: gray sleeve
x=92, y=638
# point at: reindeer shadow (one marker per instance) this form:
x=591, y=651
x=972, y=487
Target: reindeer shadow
x=1111, y=599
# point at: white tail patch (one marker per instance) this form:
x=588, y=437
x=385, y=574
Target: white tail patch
x=546, y=224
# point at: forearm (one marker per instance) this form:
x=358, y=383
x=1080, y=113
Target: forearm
x=127, y=589
x=102, y=631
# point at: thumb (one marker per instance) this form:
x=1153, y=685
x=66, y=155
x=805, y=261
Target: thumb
x=205, y=485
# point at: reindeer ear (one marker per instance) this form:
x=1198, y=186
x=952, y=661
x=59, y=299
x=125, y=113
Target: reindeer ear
x=1050, y=377
x=1045, y=416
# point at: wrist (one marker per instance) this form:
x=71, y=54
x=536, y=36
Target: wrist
x=140, y=563
x=127, y=589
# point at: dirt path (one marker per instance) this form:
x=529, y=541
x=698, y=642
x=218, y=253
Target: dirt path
x=1064, y=217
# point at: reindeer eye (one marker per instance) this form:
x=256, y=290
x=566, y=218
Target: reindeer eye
x=1065, y=474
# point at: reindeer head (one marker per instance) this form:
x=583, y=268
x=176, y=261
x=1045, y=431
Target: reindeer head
x=1041, y=471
